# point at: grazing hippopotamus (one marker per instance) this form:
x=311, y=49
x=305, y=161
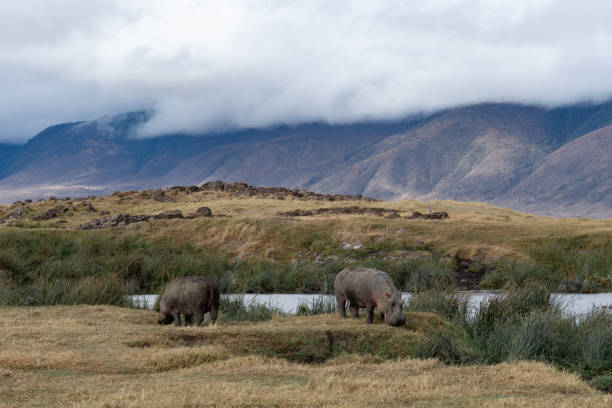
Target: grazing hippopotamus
x=192, y=296
x=369, y=288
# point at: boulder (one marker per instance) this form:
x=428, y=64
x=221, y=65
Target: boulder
x=204, y=212
x=18, y=213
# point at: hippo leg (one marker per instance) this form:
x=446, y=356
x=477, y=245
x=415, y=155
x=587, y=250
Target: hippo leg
x=213, y=315
x=370, y=309
x=354, y=311
x=341, y=306
x=177, y=318
x=197, y=318
x=188, y=321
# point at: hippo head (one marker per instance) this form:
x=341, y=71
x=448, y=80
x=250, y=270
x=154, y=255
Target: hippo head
x=392, y=309
x=164, y=318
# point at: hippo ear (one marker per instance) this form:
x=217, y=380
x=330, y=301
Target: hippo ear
x=388, y=295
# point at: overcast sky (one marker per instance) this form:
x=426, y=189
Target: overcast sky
x=205, y=65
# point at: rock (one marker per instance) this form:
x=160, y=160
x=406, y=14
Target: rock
x=296, y=213
x=121, y=220
x=104, y=212
x=381, y=212
x=160, y=195
x=168, y=215
x=28, y=201
x=438, y=215
x=185, y=189
x=52, y=198
x=118, y=220
x=18, y=213
x=2, y=220
x=47, y=215
x=240, y=189
x=18, y=203
x=347, y=245
x=204, y=212
x=213, y=186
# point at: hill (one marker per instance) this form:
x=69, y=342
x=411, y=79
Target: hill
x=278, y=240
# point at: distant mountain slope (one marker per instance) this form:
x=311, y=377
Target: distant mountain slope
x=577, y=178
x=471, y=153
x=509, y=154
x=7, y=152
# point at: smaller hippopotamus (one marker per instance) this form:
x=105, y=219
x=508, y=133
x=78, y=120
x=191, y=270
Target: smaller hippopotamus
x=192, y=296
x=369, y=288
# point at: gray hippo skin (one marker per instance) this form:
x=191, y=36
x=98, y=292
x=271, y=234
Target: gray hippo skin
x=369, y=288
x=192, y=296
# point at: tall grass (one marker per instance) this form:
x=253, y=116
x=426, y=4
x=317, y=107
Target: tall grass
x=319, y=305
x=51, y=266
x=571, y=264
x=234, y=308
x=522, y=325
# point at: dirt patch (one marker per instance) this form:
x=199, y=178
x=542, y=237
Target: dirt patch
x=468, y=273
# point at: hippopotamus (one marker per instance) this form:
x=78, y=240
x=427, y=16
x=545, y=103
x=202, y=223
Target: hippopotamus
x=369, y=288
x=192, y=296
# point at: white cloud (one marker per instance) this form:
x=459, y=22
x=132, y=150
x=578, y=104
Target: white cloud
x=208, y=64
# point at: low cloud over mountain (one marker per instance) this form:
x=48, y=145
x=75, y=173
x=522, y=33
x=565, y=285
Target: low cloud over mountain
x=211, y=65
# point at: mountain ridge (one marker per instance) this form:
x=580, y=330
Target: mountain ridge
x=502, y=153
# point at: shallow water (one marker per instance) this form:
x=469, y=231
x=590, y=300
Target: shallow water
x=571, y=303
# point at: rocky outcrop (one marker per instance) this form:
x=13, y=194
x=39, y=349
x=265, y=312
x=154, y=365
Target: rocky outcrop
x=437, y=215
x=281, y=193
x=118, y=220
x=18, y=213
x=381, y=212
x=47, y=215
x=121, y=220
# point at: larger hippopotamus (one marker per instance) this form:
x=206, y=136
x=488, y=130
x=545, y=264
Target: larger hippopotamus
x=192, y=296
x=369, y=288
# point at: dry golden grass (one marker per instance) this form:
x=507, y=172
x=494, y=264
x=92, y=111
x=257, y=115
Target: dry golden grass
x=255, y=229
x=115, y=357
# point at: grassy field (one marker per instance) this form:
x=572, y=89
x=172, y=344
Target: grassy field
x=253, y=249
x=105, y=356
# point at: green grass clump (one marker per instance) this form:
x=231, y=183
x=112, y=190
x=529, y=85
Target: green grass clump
x=602, y=383
x=570, y=264
x=320, y=305
x=521, y=325
x=234, y=308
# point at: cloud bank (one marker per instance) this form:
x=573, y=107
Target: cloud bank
x=209, y=65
